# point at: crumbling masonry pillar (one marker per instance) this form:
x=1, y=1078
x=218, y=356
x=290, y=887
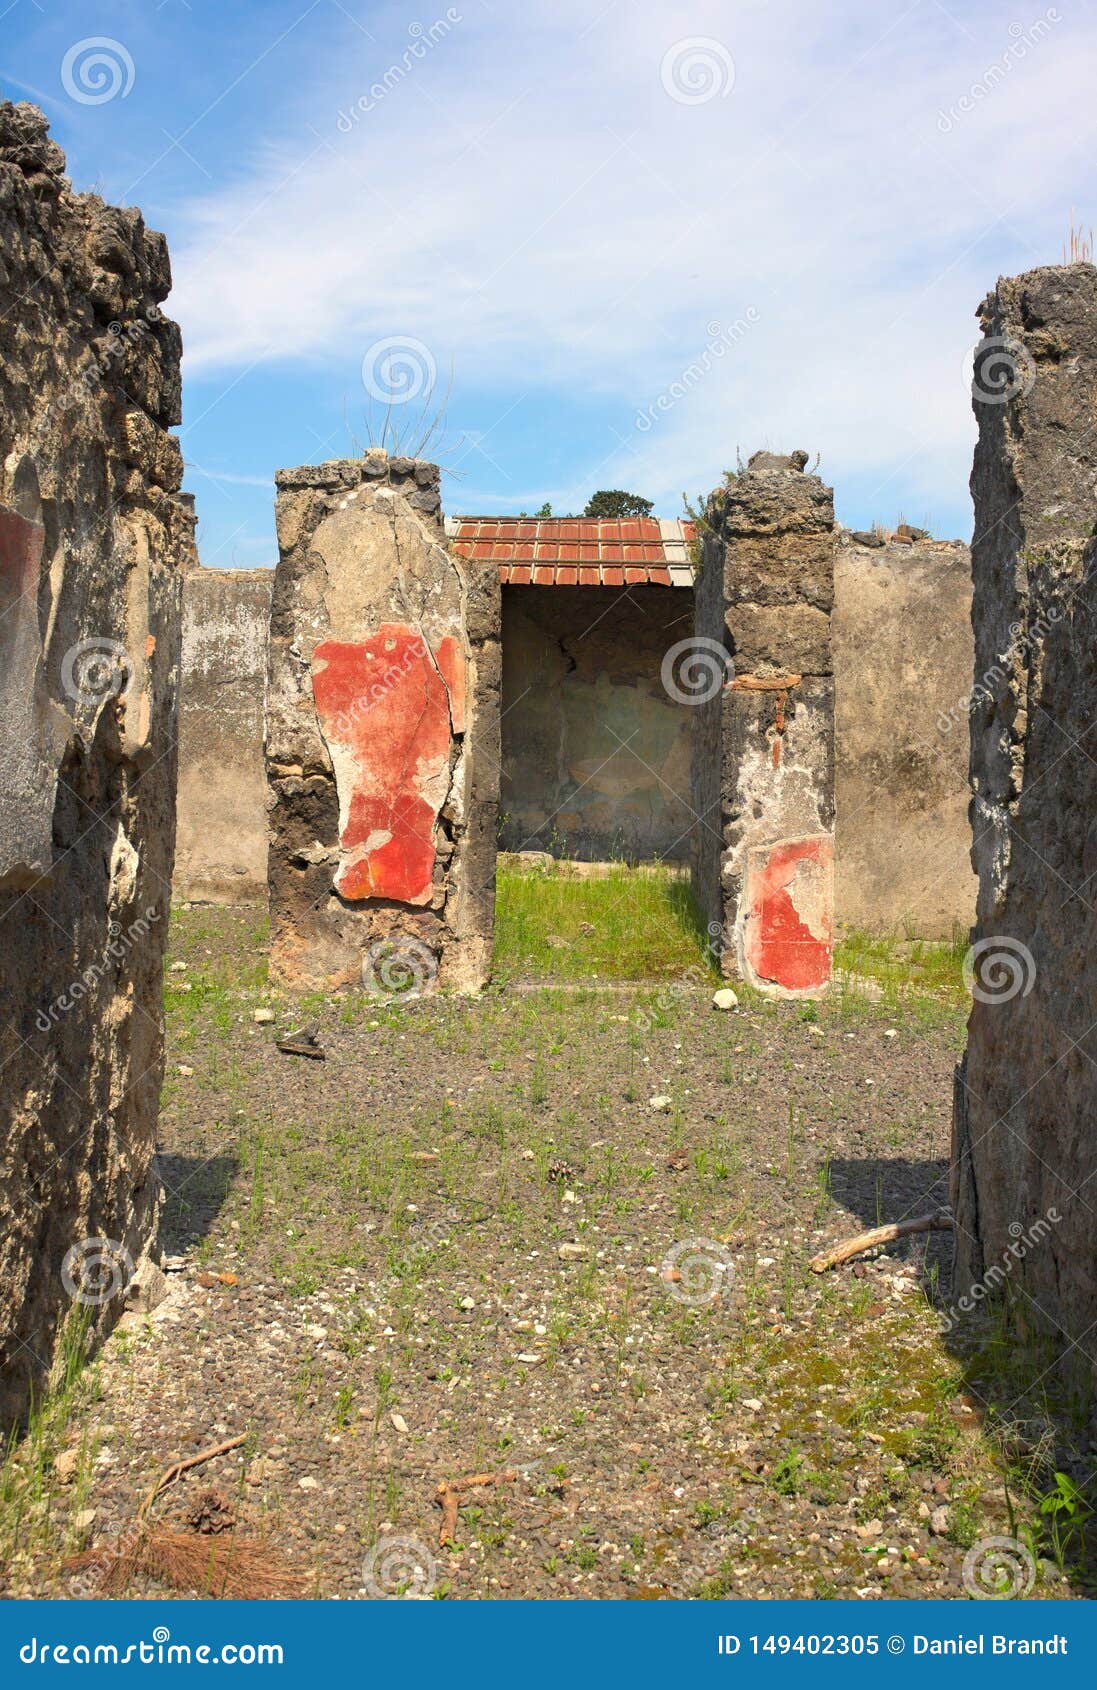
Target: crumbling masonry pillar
x=1024, y=1139
x=763, y=761
x=93, y=538
x=382, y=741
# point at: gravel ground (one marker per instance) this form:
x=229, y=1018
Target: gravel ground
x=559, y=1237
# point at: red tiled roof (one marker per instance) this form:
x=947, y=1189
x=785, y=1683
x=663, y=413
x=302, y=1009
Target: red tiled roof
x=561, y=551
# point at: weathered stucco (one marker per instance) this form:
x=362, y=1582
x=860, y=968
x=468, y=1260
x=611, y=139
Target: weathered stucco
x=763, y=866
x=1025, y=1145
x=902, y=678
x=382, y=747
x=596, y=753
x=93, y=536
x=221, y=853
x=577, y=681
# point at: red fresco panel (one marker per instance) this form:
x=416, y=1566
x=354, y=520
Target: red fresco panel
x=388, y=708
x=789, y=930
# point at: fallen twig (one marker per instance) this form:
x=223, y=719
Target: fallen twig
x=171, y=1474
x=230, y=1565
x=450, y=1491
x=939, y=1221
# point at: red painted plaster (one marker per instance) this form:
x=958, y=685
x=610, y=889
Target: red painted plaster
x=388, y=708
x=785, y=884
x=20, y=554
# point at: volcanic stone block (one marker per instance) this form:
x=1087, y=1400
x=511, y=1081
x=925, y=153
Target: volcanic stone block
x=1024, y=1140
x=93, y=537
x=382, y=734
x=763, y=759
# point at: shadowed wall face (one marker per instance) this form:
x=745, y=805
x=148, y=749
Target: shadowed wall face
x=93, y=539
x=596, y=753
x=1024, y=1139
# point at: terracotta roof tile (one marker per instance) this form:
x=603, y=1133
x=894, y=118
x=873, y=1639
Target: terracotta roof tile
x=565, y=551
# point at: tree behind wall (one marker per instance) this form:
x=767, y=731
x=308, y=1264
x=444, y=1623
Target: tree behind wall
x=614, y=502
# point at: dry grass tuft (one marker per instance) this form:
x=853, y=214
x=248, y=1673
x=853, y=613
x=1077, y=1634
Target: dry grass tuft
x=221, y=1566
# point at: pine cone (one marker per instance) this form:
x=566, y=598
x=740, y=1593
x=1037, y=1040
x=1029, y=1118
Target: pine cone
x=212, y=1512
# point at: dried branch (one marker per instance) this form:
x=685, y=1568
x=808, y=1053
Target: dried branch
x=939, y=1221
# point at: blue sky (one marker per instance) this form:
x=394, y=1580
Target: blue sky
x=610, y=244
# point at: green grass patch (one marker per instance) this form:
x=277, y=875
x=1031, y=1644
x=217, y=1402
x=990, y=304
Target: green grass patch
x=628, y=924
x=197, y=937
x=906, y=968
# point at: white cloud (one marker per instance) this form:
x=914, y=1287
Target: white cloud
x=530, y=203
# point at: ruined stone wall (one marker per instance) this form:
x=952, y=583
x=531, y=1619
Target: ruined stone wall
x=92, y=540
x=902, y=676
x=221, y=854
x=382, y=733
x=764, y=862
x=596, y=754
x=1025, y=1145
